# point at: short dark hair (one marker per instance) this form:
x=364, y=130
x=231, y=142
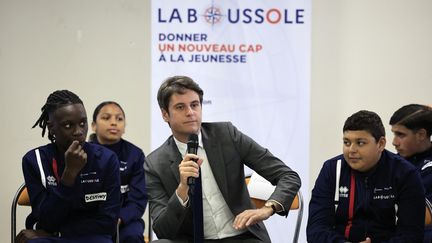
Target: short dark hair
x=365, y=120
x=179, y=85
x=55, y=100
x=413, y=117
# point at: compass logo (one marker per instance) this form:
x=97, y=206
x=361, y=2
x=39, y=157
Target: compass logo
x=213, y=15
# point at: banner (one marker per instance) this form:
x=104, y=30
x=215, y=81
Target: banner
x=252, y=59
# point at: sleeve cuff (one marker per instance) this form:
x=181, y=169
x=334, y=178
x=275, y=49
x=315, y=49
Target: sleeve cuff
x=280, y=208
x=185, y=204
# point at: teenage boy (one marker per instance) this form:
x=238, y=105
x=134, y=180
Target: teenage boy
x=367, y=194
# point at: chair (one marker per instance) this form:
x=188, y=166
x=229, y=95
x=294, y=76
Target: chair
x=297, y=204
x=428, y=217
x=148, y=238
x=21, y=198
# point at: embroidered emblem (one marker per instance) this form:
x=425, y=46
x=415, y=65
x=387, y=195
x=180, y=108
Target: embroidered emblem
x=343, y=191
x=123, y=165
x=384, y=193
x=51, y=180
x=87, y=174
x=101, y=196
x=124, y=188
x=96, y=180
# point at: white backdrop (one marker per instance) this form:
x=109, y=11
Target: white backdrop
x=252, y=59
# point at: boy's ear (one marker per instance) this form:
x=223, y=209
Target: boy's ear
x=421, y=134
x=382, y=143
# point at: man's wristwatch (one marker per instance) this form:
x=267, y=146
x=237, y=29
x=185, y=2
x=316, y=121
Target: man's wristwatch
x=270, y=204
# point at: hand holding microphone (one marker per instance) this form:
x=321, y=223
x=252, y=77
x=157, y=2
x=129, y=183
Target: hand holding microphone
x=189, y=167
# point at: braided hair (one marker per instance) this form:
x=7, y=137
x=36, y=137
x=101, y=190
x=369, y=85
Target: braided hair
x=54, y=101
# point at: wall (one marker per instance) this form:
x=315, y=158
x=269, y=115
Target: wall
x=365, y=55
x=373, y=55
x=99, y=49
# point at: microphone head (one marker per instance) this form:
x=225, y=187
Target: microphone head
x=192, y=142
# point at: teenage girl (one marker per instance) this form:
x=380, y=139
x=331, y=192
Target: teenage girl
x=74, y=186
x=108, y=125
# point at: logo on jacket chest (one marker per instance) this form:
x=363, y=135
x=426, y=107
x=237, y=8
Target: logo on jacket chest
x=343, y=191
x=123, y=165
x=51, y=180
x=101, y=196
x=383, y=193
x=90, y=177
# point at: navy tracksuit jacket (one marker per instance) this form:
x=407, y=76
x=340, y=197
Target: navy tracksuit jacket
x=423, y=163
x=392, y=189
x=133, y=189
x=90, y=207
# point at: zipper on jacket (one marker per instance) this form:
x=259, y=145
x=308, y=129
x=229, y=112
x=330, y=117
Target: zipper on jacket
x=366, y=205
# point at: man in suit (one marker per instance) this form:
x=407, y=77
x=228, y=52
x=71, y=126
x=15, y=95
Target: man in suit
x=223, y=151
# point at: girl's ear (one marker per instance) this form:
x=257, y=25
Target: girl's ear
x=93, y=126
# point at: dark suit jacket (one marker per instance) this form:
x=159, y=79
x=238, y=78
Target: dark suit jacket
x=228, y=150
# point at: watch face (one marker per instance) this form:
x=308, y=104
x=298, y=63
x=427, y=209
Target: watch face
x=270, y=205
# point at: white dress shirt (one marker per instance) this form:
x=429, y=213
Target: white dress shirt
x=218, y=218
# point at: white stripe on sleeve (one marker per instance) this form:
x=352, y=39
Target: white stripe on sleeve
x=42, y=173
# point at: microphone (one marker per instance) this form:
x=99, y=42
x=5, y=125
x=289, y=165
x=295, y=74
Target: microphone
x=192, y=148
